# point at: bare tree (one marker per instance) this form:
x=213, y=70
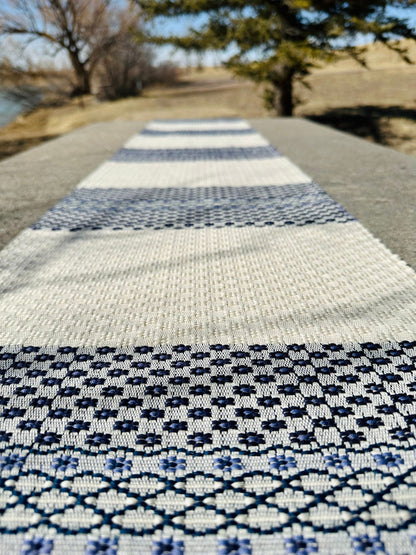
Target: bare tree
x=82, y=28
x=125, y=67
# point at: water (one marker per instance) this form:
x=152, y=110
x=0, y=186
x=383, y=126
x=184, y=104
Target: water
x=15, y=101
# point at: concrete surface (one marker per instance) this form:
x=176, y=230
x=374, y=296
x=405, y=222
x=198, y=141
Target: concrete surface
x=376, y=184
x=33, y=181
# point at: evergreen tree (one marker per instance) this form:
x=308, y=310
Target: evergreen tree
x=278, y=42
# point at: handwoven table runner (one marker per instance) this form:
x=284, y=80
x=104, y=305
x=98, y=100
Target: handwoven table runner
x=204, y=353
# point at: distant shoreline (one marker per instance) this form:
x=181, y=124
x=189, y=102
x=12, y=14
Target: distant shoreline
x=17, y=100
x=378, y=104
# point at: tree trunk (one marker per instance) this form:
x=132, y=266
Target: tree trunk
x=84, y=85
x=82, y=75
x=286, y=103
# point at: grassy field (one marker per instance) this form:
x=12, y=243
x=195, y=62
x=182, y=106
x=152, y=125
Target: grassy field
x=378, y=104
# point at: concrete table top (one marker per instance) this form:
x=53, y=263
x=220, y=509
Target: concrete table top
x=376, y=184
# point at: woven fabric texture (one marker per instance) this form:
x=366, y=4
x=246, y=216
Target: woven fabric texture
x=202, y=352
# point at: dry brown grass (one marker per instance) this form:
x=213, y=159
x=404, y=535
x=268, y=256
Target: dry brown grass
x=378, y=104
x=211, y=93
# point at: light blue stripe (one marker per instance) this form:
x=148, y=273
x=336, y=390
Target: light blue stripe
x=194, y=154
x=158, y=133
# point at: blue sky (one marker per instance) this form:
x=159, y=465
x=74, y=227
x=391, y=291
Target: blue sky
x=180, y=26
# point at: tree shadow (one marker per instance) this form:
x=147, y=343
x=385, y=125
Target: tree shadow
x=368, y=122
x=14, y=146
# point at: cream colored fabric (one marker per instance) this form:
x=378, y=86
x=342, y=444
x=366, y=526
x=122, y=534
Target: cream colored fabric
x=326, y=283
x=219, y=173
x=196, y=141
x=202, y=125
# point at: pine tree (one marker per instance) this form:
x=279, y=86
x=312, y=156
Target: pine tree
x=278, y=42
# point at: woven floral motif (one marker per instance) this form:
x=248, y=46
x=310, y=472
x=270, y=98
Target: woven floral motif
x=202, y=352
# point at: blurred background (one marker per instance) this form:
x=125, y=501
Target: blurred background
x=68, y=63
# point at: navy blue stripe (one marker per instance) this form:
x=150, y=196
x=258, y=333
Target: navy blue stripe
x=193, y=154
x=96, y=425
x=67, y=381
x=157, y=133
x=180, y=208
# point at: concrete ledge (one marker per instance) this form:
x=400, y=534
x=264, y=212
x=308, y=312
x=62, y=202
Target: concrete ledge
x=376, y=184
x=33, y=181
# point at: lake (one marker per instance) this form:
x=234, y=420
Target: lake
x=15, y=101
